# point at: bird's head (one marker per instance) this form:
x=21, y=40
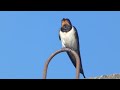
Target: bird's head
x=66, y=24
x=66, y=21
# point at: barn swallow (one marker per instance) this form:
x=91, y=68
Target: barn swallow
x=69, y=39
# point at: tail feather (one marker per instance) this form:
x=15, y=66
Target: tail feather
x=72, y=58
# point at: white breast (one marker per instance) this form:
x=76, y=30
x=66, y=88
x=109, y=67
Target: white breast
x=68, y=39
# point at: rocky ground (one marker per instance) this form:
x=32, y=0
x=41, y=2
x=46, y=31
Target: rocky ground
x=112, y=76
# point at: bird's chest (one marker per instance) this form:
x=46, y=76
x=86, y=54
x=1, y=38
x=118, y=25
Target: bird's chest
x=68, y=39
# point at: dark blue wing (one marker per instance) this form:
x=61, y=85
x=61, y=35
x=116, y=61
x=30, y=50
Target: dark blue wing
x=78, y=51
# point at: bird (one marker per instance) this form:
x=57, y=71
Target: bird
x=69, y=38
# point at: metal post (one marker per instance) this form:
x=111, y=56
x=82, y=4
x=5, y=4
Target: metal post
x=59, y=51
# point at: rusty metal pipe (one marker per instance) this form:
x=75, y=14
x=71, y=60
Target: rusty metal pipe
x=59, y=51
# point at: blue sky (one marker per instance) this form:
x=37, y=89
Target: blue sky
x=28, y=38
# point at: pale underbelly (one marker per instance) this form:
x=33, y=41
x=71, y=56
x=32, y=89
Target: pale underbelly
x=69, y=39
x=69, y=43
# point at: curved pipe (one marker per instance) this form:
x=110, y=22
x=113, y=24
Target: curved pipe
x=59, y=51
